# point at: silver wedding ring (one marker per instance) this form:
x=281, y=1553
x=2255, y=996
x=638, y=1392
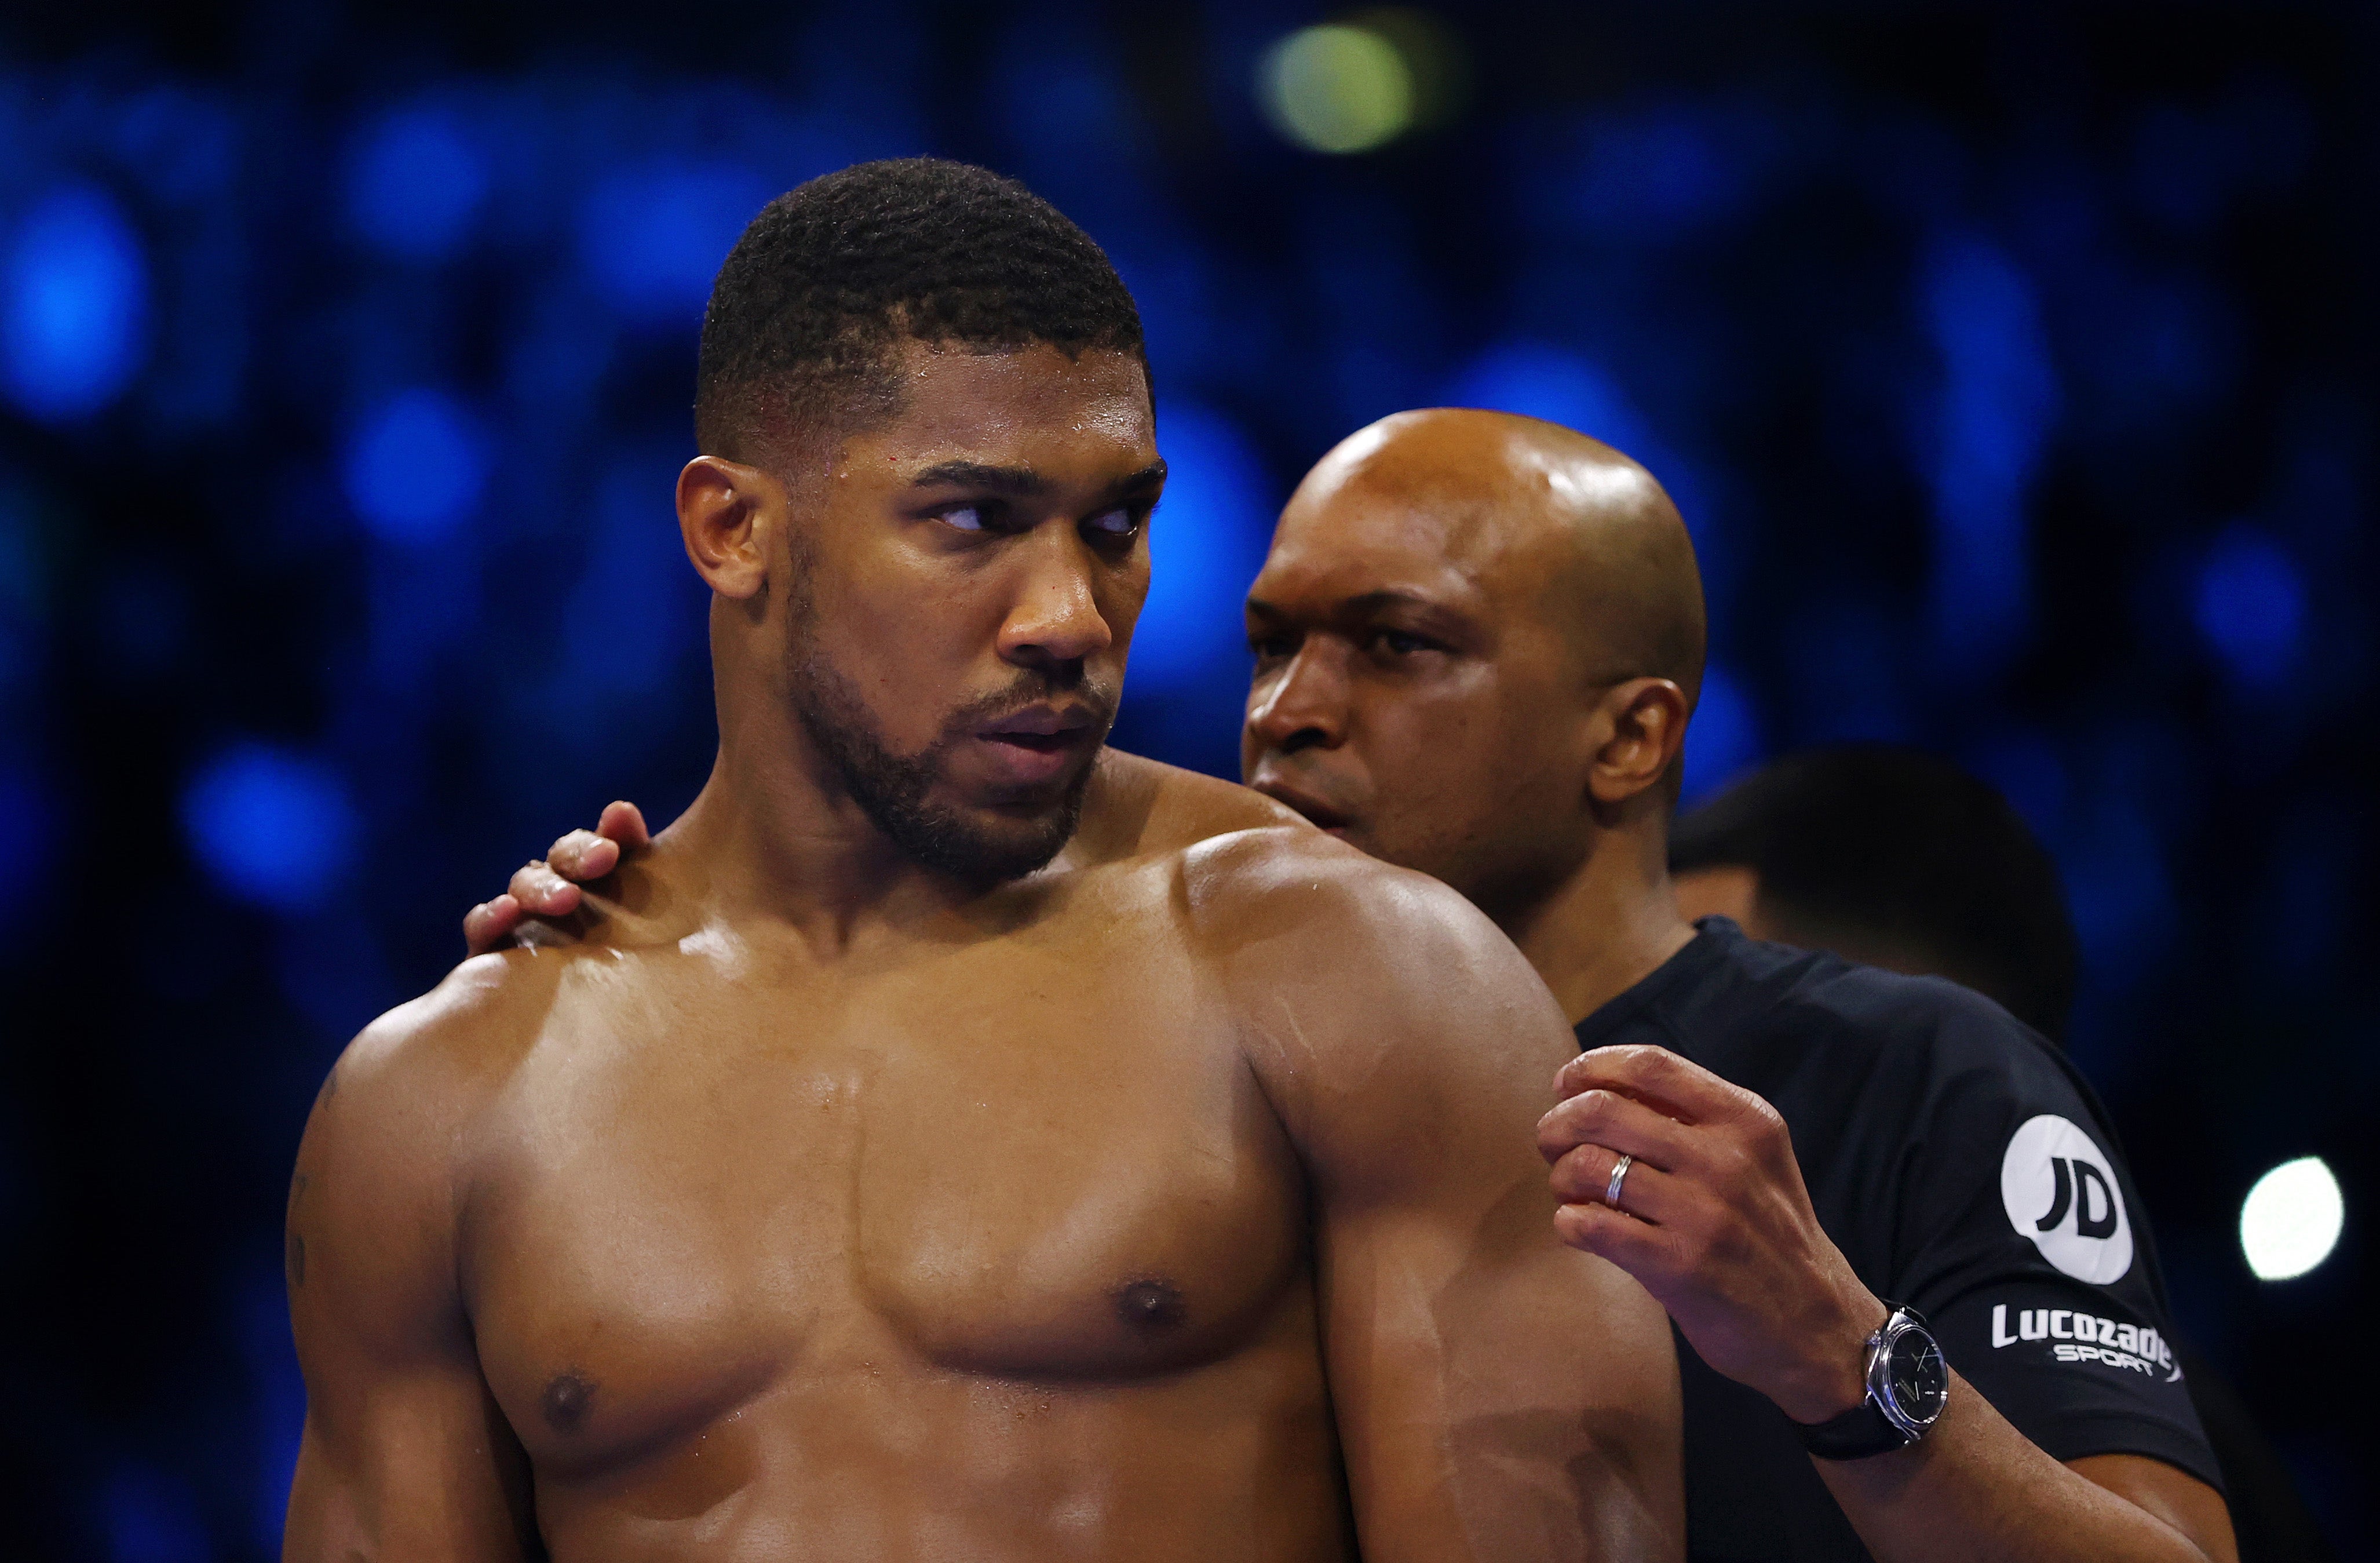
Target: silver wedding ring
x=1618, y=1175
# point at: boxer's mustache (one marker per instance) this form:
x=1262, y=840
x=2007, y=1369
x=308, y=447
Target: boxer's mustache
x=1093, y=698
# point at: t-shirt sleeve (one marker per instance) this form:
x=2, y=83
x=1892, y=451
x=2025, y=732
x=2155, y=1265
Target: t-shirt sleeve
x=2019, y=1237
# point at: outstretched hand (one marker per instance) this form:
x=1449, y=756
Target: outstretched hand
x=546, y=890
x=1712, y=1218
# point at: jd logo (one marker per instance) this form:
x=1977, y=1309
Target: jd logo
x=2060, y=1193
x=2078, y=1183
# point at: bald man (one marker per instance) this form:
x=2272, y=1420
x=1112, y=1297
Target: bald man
x=1478, y=639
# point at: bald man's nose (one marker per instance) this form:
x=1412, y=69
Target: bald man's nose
x=1056, y=618
x=1304, y=705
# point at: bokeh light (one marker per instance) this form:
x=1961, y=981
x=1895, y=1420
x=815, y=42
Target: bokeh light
x=74, y=305
x=272, y=826
x=1337, y=88
x=652, y=235
x=2292, y=1219
x=2250, y=606
x=1724, y=737
x=417, y=185
x=416, y=467
x=1205, y=544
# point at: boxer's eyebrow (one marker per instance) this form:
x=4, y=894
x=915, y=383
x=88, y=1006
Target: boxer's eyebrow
x=1134, y=485
x=1016, y=483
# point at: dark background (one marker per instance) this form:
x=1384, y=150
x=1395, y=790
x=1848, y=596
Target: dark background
x=2014, y=366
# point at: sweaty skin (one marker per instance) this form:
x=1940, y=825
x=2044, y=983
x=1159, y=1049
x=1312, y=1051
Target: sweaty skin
x=1476, y=638
x=1176, y=1200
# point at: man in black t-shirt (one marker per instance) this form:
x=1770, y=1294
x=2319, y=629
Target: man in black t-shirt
x=1894, y=858
x=1961, y=1166
x=1477, y=640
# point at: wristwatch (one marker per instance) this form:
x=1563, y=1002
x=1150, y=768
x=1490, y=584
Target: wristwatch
x=1907, y=1383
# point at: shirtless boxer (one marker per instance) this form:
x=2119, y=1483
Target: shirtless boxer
x=971, y=1143
x=1478, y=639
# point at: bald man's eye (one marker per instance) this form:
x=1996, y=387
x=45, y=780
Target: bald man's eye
x=1401, y=643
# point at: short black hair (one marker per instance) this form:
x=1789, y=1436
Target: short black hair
x=832, y=274
x=1901, y=857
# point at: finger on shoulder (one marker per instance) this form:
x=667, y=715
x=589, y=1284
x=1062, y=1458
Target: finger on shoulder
x=625, y=822
x=583, y=855
x=542, y=892
x=1611, y=1119
x=1649, y=1073
x=1638, y=1247
x=487, y=925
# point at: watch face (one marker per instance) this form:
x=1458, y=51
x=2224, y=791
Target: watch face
x=1916, y=1379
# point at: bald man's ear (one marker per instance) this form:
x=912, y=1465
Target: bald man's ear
x=1640, y=727
x=729, y=515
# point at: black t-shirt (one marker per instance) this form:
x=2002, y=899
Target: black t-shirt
x=1965, y=1169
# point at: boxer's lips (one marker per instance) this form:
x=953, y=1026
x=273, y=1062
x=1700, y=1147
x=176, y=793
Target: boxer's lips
x=1039, y=743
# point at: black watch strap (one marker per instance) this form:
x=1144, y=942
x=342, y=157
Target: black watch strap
x=1857, y=1433
x=1881, y=1422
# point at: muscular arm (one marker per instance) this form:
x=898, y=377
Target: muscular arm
x=405, y=1456
x=1496, y=1397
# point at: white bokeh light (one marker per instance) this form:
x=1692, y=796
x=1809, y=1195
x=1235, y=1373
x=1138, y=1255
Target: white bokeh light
x=2291, y=1220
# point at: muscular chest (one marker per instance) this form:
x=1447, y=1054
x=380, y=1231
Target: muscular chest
x=1004, y=1167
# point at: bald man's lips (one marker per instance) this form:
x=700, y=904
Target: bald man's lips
x=1335, y=822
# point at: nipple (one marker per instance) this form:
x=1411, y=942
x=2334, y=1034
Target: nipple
x=1151, y=1306
x=565, y=1401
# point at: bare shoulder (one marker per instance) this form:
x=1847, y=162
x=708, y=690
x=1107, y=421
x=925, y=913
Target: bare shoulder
x=1316, y=899
x=374, y=1195
x=1139, y=806
x=456, y=1044
x=1370, y=997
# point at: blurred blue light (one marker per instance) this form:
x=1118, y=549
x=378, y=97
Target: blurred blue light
x=271, y=826
x=416, y=185
x=1538, y=380
x=2025, y=764
x=74, y=305
x=416, y=467
x=2251, y=607
x=1206, y=545
x=1657, y=175
x=1724, y=737
x=150, y=1517
x=638, y=610
x=1999, y=398
x=652, y=237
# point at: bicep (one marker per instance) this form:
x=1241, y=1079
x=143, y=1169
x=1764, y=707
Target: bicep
x=2167, y=1493
x=1498, y=1395
x=410, y=1464
x=406, y=1455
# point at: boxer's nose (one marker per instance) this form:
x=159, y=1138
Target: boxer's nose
x=1057, y=617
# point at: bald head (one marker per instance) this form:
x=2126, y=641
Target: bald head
x=1546, y=521
x=1477, y=638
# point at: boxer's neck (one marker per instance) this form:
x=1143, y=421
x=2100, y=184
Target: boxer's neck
x=778, y=839
x=1611, y=923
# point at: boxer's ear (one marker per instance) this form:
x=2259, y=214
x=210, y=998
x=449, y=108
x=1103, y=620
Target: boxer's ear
x=1642, y=729
x=729, y=515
